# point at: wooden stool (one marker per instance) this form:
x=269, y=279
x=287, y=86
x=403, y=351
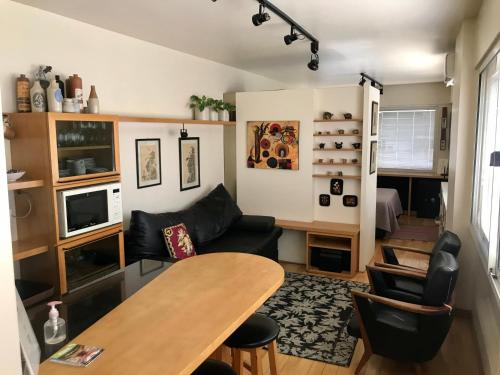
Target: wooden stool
x=255, y=336
x=213, y=367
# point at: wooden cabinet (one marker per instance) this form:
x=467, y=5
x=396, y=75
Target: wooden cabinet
x=45, y=146
x=332, y=239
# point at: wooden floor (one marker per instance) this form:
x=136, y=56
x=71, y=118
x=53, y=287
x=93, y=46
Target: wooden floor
x=459, y=354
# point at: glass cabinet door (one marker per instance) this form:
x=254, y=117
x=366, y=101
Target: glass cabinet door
x=85, y=148
x=91, y=261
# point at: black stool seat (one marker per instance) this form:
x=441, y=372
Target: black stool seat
x=213, y=367
x=256, y=332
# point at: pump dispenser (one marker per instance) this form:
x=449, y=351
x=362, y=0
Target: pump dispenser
x=54, y=329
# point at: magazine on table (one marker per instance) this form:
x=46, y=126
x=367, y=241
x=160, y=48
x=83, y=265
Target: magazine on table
x=76, y=355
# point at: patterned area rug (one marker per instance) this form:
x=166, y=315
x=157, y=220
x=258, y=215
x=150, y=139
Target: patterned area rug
x=313, y=313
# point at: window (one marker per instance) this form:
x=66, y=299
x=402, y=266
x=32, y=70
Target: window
x=406, y=139
x=486, y=199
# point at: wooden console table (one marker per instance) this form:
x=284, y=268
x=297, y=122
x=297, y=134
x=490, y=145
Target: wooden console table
x=328, y=236
x=180, y=318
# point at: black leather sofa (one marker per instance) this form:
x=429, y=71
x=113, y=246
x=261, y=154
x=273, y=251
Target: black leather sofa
x=215, y=224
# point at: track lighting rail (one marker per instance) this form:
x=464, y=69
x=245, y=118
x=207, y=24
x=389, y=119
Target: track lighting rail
x=285, y=17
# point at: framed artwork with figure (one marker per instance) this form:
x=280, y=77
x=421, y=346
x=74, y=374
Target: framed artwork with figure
x=189, y=163
x=148, y=162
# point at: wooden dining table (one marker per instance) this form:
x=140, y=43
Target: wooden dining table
x=179, y=319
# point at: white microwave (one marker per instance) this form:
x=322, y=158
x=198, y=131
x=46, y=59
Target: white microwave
x=86, y=209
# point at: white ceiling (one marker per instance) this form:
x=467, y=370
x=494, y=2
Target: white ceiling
x=397, y=41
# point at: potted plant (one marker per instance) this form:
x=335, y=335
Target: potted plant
x=228, y=113
x=200, y=106
x=215, y=106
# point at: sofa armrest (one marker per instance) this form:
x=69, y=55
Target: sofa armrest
x=254, y=223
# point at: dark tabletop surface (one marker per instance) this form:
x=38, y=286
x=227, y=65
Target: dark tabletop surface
x=84, y=307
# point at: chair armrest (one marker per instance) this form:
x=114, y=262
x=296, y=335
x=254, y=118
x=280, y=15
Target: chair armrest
x=398, y=272
x=254, y=223
x=400, y=267
x=410, y=307
x=409, y=249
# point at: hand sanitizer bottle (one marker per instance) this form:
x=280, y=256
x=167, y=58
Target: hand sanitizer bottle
x=54, y=329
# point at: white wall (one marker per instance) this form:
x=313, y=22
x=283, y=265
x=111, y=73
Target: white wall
x=284, y=194
x=167, y=196
x=417, y=94
x=10, y=362
x=293, y=195
x=475, y=288
x=368, y=199
x=337, y=100
x=131, y=77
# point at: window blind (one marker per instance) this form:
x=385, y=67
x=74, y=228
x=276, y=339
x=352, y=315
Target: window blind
x=406, y=139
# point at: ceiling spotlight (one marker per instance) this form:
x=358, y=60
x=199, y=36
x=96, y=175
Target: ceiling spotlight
x=292, y=37
x=363, y=81
x=261, y=17
x=314, y=63
x=314, y=47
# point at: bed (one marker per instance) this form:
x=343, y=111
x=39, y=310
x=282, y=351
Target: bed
x=388, y=209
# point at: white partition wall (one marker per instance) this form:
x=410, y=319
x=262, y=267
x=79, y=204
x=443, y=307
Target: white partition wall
x=368, y=200
x=10, y=356
x=294, y=195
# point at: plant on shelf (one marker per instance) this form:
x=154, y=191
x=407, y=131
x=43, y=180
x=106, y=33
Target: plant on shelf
x=215, y=106
x=200, y=106
x=228, y=109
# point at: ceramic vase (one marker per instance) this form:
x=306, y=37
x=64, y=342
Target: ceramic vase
x=224, y=115
x=93, y=102
x=54, y=97
x=214, y=115
x=38, y=98
x=201, y=115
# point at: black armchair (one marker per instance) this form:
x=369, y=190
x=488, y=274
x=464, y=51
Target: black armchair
x=407, y=331
x=408, y=285
x=448, y=242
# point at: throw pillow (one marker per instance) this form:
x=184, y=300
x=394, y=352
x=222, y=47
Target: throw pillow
x=178, y=242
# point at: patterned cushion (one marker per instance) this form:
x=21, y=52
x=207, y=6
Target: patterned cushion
x=178, y=242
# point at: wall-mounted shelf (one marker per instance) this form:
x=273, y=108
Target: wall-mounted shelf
x=28, y=184
x=344, y=177
x=340, y=120
x=173, y=120
x=30, y=247
x=338, y=149
x=338, y=135
x=341, y=164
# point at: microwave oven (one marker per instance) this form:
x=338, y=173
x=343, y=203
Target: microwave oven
x=86, y=209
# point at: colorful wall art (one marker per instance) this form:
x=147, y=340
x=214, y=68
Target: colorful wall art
x=273, y=144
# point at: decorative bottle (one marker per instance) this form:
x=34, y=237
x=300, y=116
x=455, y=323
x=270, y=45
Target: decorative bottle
x=61, y=85
x=76, y=89
x=38, y=98
x=54, y=97
x=93, y=102
x=54, y=329
x=23, y=94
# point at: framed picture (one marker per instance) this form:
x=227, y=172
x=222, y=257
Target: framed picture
x=189, y=162
x=373, y=157
x=148, y=162
x=324, y=200
x=350, y=200
x=375, y=119
x=273, y=144
x=336, y=186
